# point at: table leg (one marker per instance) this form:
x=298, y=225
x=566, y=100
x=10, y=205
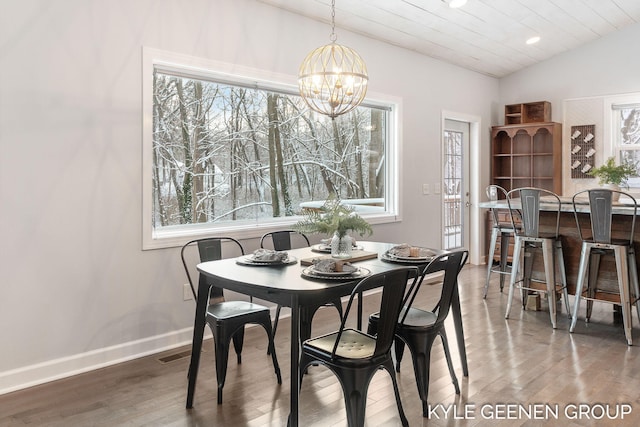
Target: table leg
x=196, y=342
x=295, y=361
x=457, y=321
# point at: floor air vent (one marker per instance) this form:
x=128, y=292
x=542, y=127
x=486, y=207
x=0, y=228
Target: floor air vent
x=174, y=357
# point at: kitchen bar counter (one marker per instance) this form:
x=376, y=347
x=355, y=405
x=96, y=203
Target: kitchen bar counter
x=571, y=242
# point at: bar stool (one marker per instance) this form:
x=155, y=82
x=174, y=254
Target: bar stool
x=598, y=244
x=504, y=231
x=529, y=237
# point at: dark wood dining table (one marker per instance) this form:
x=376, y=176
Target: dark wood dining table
x=285, y=285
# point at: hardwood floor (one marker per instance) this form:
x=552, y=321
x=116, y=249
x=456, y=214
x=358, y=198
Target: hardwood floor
x=514, y=364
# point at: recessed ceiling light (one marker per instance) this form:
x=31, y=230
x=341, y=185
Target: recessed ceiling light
x=454, y=4
x=533, y=40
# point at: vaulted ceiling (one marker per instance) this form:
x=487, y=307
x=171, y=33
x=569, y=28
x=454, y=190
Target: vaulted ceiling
x=487, y=36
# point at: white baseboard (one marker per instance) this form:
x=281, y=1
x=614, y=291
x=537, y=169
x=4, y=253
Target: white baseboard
x=40, y=373
x=29, y=376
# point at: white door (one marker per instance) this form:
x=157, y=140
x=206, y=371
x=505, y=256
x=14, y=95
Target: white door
x=455, y=184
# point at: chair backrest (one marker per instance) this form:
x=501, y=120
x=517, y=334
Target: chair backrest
x=208, y=249
x=601, y=213
x=451, y=263
x=529, y=212
x=284, y=240
x=393, y=284
x=495, y=193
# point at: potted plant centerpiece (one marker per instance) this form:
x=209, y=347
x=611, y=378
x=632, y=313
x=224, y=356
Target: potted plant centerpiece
x=614, y=176
x=337, y=220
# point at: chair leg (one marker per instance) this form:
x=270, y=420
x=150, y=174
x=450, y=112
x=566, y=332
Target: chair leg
x=238, y=340
x=275, y=324
x=514, y=272
x=354, y=387
x=622, y=268
x=563, y=275
x=221, y=348
x=447, y=354
x=592, y=283
x=398, y=347
x=550, y=278
x=492, y=249
x=527, y=267
x=582, y=272
x=403, y=418
x=272, y=348
x=633, y=277
x=421, y=356
x=504, y=254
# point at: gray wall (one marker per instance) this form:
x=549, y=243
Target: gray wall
x=604, y=67
x=76, y=290
x=579, y=84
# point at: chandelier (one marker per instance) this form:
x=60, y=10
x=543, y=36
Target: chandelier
x=333, y=78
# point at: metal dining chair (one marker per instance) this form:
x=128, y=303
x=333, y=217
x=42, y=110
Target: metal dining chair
x=284, y=240
x=528, y=238
x=601, y=243
x=226, y=319
x=418, y=328
x=504, y=231
x=354, y=356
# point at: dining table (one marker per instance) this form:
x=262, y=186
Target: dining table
x=289, y=285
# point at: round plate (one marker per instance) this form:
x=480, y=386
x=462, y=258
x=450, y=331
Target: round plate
x=264, y=261
x=391, y=258
x=361, y=272
x=349, y=271
x=425, y=254
x=248, y=260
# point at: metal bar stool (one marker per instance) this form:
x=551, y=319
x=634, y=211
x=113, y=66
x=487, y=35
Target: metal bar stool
x=601, y=243
x=529, y=237
x=502, y=230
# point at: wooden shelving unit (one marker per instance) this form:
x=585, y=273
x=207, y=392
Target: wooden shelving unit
x=528, y=155
x=530, y=112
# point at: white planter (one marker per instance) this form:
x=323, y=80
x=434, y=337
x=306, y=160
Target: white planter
x=615, y=187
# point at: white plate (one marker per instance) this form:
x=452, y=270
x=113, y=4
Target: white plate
x=349, y=271
x=248, y=260
x=415, y=260
x=425, y=254
x=358, y=274
x=266, y=261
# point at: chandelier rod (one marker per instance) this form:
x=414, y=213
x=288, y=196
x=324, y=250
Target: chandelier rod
x=333, y=37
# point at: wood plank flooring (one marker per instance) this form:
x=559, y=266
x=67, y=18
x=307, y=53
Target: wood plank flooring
x=514, y=364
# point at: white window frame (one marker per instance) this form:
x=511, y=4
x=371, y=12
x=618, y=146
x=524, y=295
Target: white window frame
x=611, y=128
x=153, y=58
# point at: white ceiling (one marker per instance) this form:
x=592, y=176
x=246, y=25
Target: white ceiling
x=487, y=36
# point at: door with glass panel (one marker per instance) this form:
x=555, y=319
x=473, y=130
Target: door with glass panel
x=455, y=184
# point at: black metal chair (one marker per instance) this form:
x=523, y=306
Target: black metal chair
x=418, y=328
x=225, y=318
x=353, y=356
x=502, y=230
x=528, y=239
x=601, y=243
x=285, y=240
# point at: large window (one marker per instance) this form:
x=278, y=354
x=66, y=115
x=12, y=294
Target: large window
x=626, y=135
x=228, y=155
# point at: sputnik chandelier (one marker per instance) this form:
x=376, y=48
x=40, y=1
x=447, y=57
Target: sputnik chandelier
x=333, y=78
